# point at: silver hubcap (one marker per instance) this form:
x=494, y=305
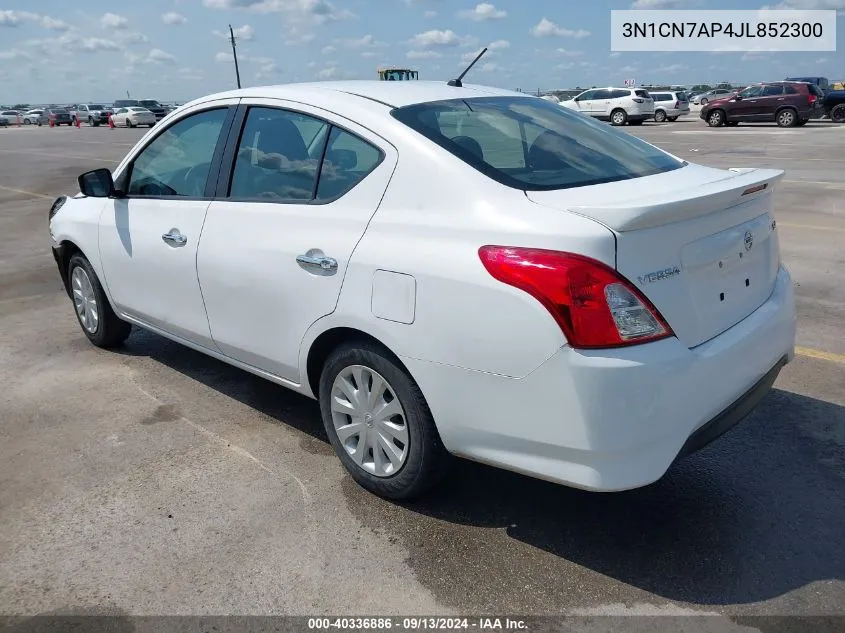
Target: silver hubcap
x=715, y=118
x=786, y=118
x=84, y=299
x=369, y=421
x=618, y=118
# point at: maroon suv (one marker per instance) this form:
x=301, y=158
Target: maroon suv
x=787, y=103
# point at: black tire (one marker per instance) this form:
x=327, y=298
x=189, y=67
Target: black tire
x=618, y=117
x=731, y=123
x=129, y=123
x=786, y=118
x=427, y=459
x=837, y=114
x=637, y=122
x=673, y=118
x=716, y=118
x=110, y=330
x=703, y=102
x=660, y=116
x=802, y=122
x=27, y=122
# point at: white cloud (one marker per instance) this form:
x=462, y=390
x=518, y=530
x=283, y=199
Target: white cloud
x=14, y=18
x=673, y=68
x=318, y=11
x=547, y=28
x=367, y=41
x=330, y=72
x=615, y=55
x=126, y=37
x=498, y=45
x=368, y=54
x=663, y=4
x=328, y=50
x=628, y=69
x=567, y=53
x=811, y=4
x=483, y=12
x=242, y=33
x=14, y=54
x=490, y=67
x=430, y=14
x=437, y=37
x=173, y=18
x=225, y=56
x=821, y=60
x=423, y=54
x=158, y=55
x=113, y=21
x=53, y=24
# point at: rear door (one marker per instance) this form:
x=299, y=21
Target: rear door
x=303, y=184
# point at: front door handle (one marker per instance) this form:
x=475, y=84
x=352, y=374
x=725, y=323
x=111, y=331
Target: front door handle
x=316, y=259
x=174, y=238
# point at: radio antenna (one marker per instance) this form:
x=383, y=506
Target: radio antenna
x=457, y=82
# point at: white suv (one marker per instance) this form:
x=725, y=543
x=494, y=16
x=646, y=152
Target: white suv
x=669, y=105
x=617, y=105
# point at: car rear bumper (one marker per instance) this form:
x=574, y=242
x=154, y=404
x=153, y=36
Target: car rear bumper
x=617, y=419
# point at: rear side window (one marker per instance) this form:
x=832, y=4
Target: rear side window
x=661, y=96
x=618, y=94
x=790, y=90
x=274, y=160
x=772, y=91
x=531, y=144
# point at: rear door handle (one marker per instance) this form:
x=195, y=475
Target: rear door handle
x=314, y=260
x=174, y=238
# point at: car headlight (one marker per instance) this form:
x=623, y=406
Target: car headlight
x=57, y=204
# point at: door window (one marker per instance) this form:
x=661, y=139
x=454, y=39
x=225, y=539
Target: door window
x=752, y=91
x=278, y=155
x=587, y=96
x=772, y=91
x=347, y=161
x=177, y=162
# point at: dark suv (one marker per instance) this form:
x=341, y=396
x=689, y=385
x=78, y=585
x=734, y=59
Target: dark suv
x=784, y=102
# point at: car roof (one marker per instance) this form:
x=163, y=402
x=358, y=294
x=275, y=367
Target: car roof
x=389, y=93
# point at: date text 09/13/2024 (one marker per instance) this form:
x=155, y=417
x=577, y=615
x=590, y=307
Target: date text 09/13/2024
x=417, y=623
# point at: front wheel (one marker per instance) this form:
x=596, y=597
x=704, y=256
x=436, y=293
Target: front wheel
x=837, y=115
x=618, y=117
x=787, y=118
x=379, y=423
x=716, y=118
x=129, y=122
x=93, y=310
x=27, y=122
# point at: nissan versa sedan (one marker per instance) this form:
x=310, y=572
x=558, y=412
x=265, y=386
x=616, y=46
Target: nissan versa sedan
x=449, y=270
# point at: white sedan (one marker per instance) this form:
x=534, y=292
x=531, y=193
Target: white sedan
x=133, y=117
x=449, y=271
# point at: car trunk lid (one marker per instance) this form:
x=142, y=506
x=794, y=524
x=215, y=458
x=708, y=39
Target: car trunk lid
x=703, y=247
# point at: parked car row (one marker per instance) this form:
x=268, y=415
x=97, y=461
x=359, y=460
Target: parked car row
x=629, y=105
x=127, y=112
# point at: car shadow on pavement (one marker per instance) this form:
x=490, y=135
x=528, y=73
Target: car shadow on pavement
x=756, y=514
x=751, y=517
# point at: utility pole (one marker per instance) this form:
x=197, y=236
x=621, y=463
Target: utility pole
x=235, y=55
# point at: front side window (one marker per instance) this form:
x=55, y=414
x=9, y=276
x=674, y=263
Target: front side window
x=278, y=155
x=752, y=91
x=178, y=161
x=587, y=96
x=532, y=144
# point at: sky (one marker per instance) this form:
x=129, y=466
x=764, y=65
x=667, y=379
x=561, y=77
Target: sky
x=55, y=51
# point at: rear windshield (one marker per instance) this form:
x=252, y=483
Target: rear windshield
x=814, y=89
x=682, y=96
x=533, y=144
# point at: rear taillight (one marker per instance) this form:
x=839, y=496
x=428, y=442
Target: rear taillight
x=593, y=305
x=636, y=100
x=811, y=98
x=677, y=105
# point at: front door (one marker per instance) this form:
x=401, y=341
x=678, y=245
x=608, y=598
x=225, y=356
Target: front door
x=149, y=237
x=275, y=248
x=746, y=107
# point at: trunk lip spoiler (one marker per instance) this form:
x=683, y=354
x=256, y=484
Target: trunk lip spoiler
x=738, y=186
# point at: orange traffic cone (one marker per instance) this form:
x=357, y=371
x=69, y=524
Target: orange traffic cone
x=111, y=123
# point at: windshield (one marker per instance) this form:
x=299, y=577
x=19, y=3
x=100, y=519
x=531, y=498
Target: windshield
x=148, y=102
x=533, y=144
x=138, y=109
x=96, y=107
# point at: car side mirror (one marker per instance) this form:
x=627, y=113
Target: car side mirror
x=97, y=183
x=576, y=99
x=737, y=98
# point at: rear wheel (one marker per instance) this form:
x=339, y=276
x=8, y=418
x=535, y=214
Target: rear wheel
x=731, y=123
x=673, y=118
x=703, y=101
x=379, y=423
x=618, y=117
x=93, y=310
x=660, y=116
x=27, y=122
x=716, y=118
x=129, y=122
x=802, y=122
x=837, y=115
x=787, y=118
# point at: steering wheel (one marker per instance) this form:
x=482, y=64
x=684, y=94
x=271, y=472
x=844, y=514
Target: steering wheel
x=195, y=188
